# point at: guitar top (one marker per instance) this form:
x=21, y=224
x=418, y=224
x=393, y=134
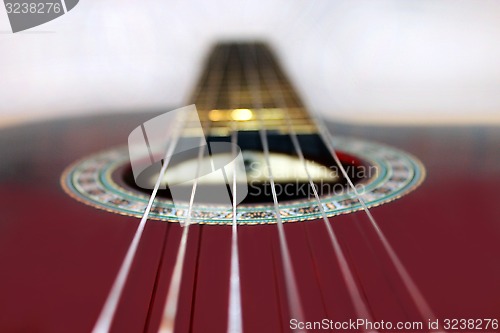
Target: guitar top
x=406, y=230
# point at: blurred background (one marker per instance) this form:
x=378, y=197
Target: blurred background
x=375, y=62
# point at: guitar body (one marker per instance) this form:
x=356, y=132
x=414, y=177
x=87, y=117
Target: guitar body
x=59, y=257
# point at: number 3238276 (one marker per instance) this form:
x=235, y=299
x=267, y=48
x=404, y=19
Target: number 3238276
x=33, y=8
x=470, y=324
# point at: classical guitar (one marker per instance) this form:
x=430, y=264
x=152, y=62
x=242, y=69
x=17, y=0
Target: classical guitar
x=314, y=227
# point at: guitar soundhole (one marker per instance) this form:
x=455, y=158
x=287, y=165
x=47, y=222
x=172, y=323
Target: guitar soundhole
x=291, y=181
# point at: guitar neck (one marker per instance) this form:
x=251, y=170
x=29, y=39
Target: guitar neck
x=243, y=88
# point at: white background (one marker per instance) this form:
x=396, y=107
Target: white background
x=412, y=62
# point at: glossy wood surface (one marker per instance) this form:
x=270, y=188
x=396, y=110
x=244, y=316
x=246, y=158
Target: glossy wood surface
x=59, y=257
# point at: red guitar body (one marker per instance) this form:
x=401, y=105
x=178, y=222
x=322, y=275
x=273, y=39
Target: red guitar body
x=59, y=257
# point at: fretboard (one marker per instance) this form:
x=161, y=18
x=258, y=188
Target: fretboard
x=243, y=88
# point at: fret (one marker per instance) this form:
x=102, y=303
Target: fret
x=245, y=114
x=302, y=127
x=281, y=129
x=223, y=96
x=250, y=114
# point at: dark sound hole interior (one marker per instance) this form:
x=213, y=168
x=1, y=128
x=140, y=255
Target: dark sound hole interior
x=284, y=158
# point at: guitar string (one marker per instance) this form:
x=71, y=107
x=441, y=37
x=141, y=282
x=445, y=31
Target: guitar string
x=295, y=305
x=353, y=289
x=108, y=311
x=235, y=319
x=200, y=234
x=235, y=313
x=196, y=92
x=417, y=297
x=167, y=324
x=419, y=300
